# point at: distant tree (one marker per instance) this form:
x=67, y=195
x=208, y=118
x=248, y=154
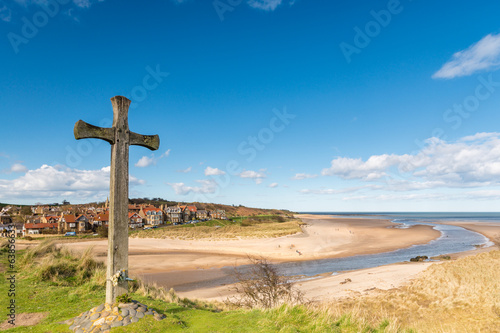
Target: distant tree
x=26, y=211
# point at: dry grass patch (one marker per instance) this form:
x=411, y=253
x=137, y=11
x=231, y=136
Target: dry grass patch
x=456, y=296
x=225, y=230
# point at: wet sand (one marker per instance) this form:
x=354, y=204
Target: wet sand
x=199, y=268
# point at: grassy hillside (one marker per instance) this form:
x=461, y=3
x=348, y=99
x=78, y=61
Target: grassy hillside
x=231, y=211
x=454, y=296
x=58, y=286
x=265, y=226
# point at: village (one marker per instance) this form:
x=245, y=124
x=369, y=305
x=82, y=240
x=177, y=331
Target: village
x=81, y=219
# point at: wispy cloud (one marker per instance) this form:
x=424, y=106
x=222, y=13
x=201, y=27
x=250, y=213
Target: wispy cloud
x=6, y=8
x=273, y=185
x=481, y=56
x=486, y=195
x=267, y=5
x=5, y=12
x=146, y=161
x=166, y=154
x=329, y=191
x=206, y=186
x=258, y=176
x=185, y=170
x=213, y=171
x=300, y=176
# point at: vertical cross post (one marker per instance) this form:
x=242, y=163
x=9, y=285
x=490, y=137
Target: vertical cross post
x=120, y=138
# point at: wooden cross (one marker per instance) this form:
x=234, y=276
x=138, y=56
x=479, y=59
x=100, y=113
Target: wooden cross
x=120, y=138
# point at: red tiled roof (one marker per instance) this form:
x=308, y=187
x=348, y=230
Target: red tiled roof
x=102, y=217
x=40, y=225
x=70, y=218
x=131, y=214
x=192, y=208
x=151, y=209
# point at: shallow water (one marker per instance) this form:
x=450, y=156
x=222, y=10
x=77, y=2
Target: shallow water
x=453, y=239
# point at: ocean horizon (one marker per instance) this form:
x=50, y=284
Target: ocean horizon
x=419, y=216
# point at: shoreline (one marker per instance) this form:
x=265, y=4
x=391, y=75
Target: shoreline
x=201, y=269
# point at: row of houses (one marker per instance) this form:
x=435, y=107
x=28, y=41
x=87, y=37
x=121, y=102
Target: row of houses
x=138, y=216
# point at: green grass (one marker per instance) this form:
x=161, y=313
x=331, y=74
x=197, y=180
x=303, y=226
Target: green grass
x=64, y=300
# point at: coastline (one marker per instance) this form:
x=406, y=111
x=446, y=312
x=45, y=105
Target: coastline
x=202, y=269
x=322, y=237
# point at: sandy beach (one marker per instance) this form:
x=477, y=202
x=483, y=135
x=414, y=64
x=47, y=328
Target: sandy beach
x=198, y=268
x=202, y=269
x=322, y=237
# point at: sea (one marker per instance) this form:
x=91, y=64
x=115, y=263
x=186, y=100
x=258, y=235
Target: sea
x=453, y=239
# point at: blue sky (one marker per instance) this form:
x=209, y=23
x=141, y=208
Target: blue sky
x=296, y=104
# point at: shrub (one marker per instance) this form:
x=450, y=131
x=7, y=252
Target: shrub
x=102, y=231
x=419, y=258
x=263, y=286
x=124, y=298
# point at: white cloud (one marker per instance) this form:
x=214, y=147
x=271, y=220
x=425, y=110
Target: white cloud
x=16, y=168
x=481, y=56
x=355, y=168
x=273, y=185
x=473, y=161
x=300, y=176
x=185, y=170
x=207, y=186
x=145, y=161
x=268, y=5
x=213, y=171
x=257, y=176
x=55, y=181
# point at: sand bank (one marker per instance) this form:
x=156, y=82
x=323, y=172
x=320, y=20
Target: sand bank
x=199, y=268
x=322, y=237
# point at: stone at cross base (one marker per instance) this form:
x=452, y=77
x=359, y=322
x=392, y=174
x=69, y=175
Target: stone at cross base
x=120, y=138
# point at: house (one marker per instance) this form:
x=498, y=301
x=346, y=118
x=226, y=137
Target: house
x=83, y=222
x=8, y=229
x=201, y=214
x=188, y=212
x=174, y=214
x=134, y=209
x=5, y=218
x=134, y=220
x=49, y=218
x=67, y=223
x=101, y=220
x=39, y=210
x=39, y=228
x=218, y=214
x=152, y=215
